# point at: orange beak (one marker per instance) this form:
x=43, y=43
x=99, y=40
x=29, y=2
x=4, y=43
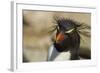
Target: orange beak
x=59, y=37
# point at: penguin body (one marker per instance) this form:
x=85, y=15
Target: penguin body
x=55, y=55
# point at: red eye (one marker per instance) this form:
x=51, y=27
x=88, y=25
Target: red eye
x=60, y=37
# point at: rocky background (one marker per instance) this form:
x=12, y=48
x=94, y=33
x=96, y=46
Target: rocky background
x=37, y=35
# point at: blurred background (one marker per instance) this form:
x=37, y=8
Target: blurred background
x=37, y=35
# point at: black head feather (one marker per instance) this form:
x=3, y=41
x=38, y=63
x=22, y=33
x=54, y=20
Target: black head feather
x=67, y=24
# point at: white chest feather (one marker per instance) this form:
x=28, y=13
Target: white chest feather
x=54, y=55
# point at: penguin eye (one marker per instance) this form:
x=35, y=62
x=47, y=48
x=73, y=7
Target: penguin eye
x=69, y=31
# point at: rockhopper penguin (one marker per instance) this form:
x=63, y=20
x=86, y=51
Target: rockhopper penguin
x=67, y=38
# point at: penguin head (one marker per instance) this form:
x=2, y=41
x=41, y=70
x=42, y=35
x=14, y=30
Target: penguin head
x=65, y=27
